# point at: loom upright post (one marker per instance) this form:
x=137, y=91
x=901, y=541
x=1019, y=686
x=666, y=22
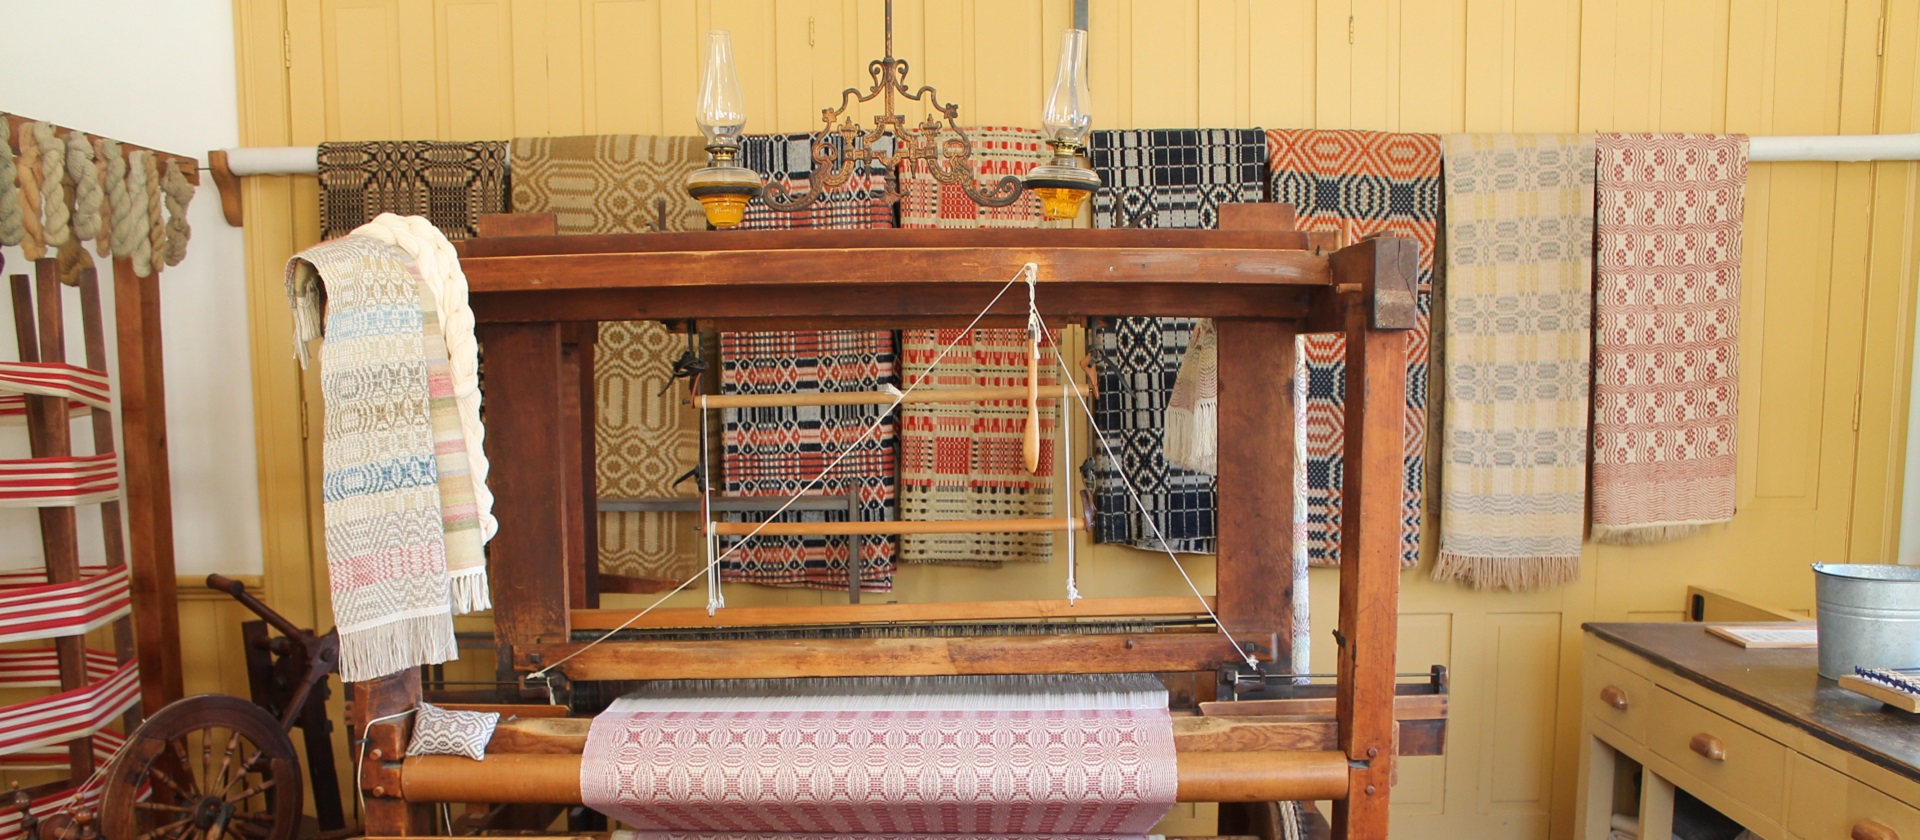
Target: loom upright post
x=148, y=483
x=1375, y=320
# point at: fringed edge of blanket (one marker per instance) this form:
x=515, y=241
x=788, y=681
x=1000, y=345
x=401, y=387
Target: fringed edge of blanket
x=1192, y=437
x=469, y=591
x=1519, y=574
x=395, y=646
x=1650, y=533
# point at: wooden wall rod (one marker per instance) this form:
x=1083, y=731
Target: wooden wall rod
x=17, y=124
x=1016, y=393
x=962, y=526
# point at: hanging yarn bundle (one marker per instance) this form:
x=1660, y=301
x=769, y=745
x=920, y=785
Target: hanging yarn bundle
x=179, y=193
x=55, y=216
x=88, y=193
x=11, y=229
x=123, y=227
x=139, y=246
x=32, y=241
x=156, y=217
x=74, y=261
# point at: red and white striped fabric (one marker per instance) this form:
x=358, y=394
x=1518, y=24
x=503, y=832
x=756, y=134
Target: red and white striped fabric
x=56, y=379
x=13, y=409
x=59, y=718
x=31, y=608
x=44, y=807
x=106, y=742
x=59, y=482
x=40, y=667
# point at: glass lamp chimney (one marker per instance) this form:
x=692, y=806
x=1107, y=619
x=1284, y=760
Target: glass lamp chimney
x=1063, y=185
x=724, y=187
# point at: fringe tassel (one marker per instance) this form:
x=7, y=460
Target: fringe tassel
x=393, y=647
x=469, y=591
x=1192, y=437
x=1518, y=574
x=1648, y=534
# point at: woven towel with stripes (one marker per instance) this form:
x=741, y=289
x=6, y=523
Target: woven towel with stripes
x=55, y=379
x=13, y=409
x=54, y=756
x=59, y=718
x=59, y=481
x=32, y=608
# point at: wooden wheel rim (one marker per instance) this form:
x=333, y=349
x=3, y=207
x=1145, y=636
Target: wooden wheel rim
x=240, y=777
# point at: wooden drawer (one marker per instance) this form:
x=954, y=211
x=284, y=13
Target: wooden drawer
x=1825, y=804
x=1744, y=765
x=1617, y=696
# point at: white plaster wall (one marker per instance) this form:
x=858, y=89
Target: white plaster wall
x=160, y=74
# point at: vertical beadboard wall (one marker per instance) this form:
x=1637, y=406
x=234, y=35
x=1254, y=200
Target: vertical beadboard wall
x=1828, y=284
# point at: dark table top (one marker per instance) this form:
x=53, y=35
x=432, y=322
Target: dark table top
x=1781, y=683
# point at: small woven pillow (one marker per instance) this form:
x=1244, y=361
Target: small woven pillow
x=438, y=731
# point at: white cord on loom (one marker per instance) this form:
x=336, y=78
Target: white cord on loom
x=1142, y=507
x=713, y=564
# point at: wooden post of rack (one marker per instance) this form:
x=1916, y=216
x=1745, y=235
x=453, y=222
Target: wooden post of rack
x=113, y=540
x=148, y=483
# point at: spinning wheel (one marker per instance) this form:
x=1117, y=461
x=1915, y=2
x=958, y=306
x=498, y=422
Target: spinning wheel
x=215, y=766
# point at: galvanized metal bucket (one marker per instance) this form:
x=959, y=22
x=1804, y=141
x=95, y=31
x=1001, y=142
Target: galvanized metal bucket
x=1869, y=616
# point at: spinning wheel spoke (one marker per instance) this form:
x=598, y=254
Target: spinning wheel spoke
x=227, y=759
x=169, y=830
x=161, y=776
x=256, y=790
x=159, y=806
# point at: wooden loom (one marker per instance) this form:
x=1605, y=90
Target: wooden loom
x=537, y=298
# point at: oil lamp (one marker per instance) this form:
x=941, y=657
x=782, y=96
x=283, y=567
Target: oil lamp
x=724, y=186
x=1063, y=185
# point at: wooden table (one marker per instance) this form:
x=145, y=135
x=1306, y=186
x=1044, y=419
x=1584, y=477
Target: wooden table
x=1757, y=734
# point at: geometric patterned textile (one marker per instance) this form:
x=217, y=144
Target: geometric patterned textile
x=438, y=731
x=990, y=763
x=1136, y=361
x=963, y=460
x=787, y=159
x=643, y=438
x=1157, y=178
x=778, y=452
x=1175, y=178
x=386, y=548
x=609, y=183
x=1358, y=183
x=1666, y=333
x=1519, y=298
x=998, y=151
x=450, y=182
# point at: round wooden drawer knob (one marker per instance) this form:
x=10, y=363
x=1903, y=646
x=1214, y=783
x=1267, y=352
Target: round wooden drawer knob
x=1708, y=747
x=1614, y=696
x=1873, y=830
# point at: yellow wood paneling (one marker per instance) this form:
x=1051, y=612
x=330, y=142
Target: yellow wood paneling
x=1828, y=278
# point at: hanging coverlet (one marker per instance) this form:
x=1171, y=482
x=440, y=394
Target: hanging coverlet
x=1359, y=183
x=1666, y=333
x=778, y=452
x=1162, y=178
x=451, y=183
x=966, y=756
x=963, y=461
x=644, y=434
x=1518, y=304
x=386, y=537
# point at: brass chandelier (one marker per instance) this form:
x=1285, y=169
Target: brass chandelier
x=842, y=149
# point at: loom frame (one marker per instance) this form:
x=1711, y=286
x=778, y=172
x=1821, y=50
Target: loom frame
x=537, y=298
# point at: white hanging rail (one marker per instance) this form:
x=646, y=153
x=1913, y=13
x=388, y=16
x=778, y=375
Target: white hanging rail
x=229, y=165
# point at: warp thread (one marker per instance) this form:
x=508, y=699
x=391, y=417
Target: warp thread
x=56, y=218
x=32, y=242
x=179, y=193
x=123, y=227
x=11, y=231
x=156, y=217
x=88, y=194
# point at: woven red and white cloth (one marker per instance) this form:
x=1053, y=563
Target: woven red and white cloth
x=63, y=481
x=998, y=151
x=59, y=718
x=55, y=379
x=981, y=760
x=32, y=608
x=1666, y=320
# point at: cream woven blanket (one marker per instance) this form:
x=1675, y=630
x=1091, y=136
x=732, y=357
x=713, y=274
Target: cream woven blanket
x=386, y=538
x=1518, y=290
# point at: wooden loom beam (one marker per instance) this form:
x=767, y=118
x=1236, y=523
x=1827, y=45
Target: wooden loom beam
x=1184, y=605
